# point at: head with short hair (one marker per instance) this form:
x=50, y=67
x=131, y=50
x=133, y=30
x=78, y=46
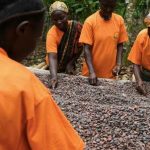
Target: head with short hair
x=106, y=8
x=59, y=15
x=21, y=24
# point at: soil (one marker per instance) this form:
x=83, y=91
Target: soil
x=110, y=116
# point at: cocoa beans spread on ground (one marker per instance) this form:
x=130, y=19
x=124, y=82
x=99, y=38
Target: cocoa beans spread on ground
x=111, y=116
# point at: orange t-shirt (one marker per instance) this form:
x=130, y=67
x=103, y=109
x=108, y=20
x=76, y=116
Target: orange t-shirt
x=53, y=39
x=140, y=52
x=103, y=36
x=29, y=117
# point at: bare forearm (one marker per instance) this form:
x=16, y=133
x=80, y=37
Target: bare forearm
x=53, y=64
x=140, y=85
x=119, y=54
x=88, y=58
x=136, y=69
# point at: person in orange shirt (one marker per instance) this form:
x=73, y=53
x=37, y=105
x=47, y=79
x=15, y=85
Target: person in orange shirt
x=140, y=57
x=29, y=117
x=62, y=44
x=103, y=35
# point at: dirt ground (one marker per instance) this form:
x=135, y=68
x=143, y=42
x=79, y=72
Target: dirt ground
x=110, y=116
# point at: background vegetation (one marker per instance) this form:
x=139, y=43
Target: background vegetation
x=133, y=11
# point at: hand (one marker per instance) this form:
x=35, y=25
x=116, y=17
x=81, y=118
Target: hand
x=93, y=79
x=70, y=68
x=116, y=70
x=141, y=88
x=53, y=83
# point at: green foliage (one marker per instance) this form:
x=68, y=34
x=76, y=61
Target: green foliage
x=81, y=9
x=142, y=8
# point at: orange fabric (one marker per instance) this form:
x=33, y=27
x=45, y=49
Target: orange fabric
x=140, y=52
x=29, y=117
x=103, y=36
x=53, y=40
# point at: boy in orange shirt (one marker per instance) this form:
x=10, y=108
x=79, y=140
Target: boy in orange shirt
x=140, y=57
x=29, y=117
x=103, y=35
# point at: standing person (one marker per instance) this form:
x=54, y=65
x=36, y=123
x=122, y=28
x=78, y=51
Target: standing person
x=140, y=57
x=29, y=117
x=103, y=35
x=62, y=44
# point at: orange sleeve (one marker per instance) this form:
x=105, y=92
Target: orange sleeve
x=123, y=37
x=86, y=36
x=135, y=54
x=51, y=41
x=50, y=130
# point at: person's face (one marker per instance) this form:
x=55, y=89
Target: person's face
x=106, y=8
x=60, y=19
x=26, y=42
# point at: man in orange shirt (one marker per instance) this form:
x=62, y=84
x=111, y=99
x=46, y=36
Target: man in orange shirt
x=29, y=117
x=103, y=35
x=140, y=57
x=62, y=43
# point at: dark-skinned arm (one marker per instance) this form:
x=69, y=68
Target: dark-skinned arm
x=52, y=58
x=119, y=57
x=89, y=62
x=140, y=86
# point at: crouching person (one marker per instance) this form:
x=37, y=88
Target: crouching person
x=29, y=117
x=140, y=57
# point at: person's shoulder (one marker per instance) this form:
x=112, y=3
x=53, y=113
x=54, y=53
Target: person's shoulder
x=143, y=34
x=19, y=78
x=118, y=17
x=13, y=68
x=92, y=18
x=53, y=30
x=15, y=71
x=53, y=27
